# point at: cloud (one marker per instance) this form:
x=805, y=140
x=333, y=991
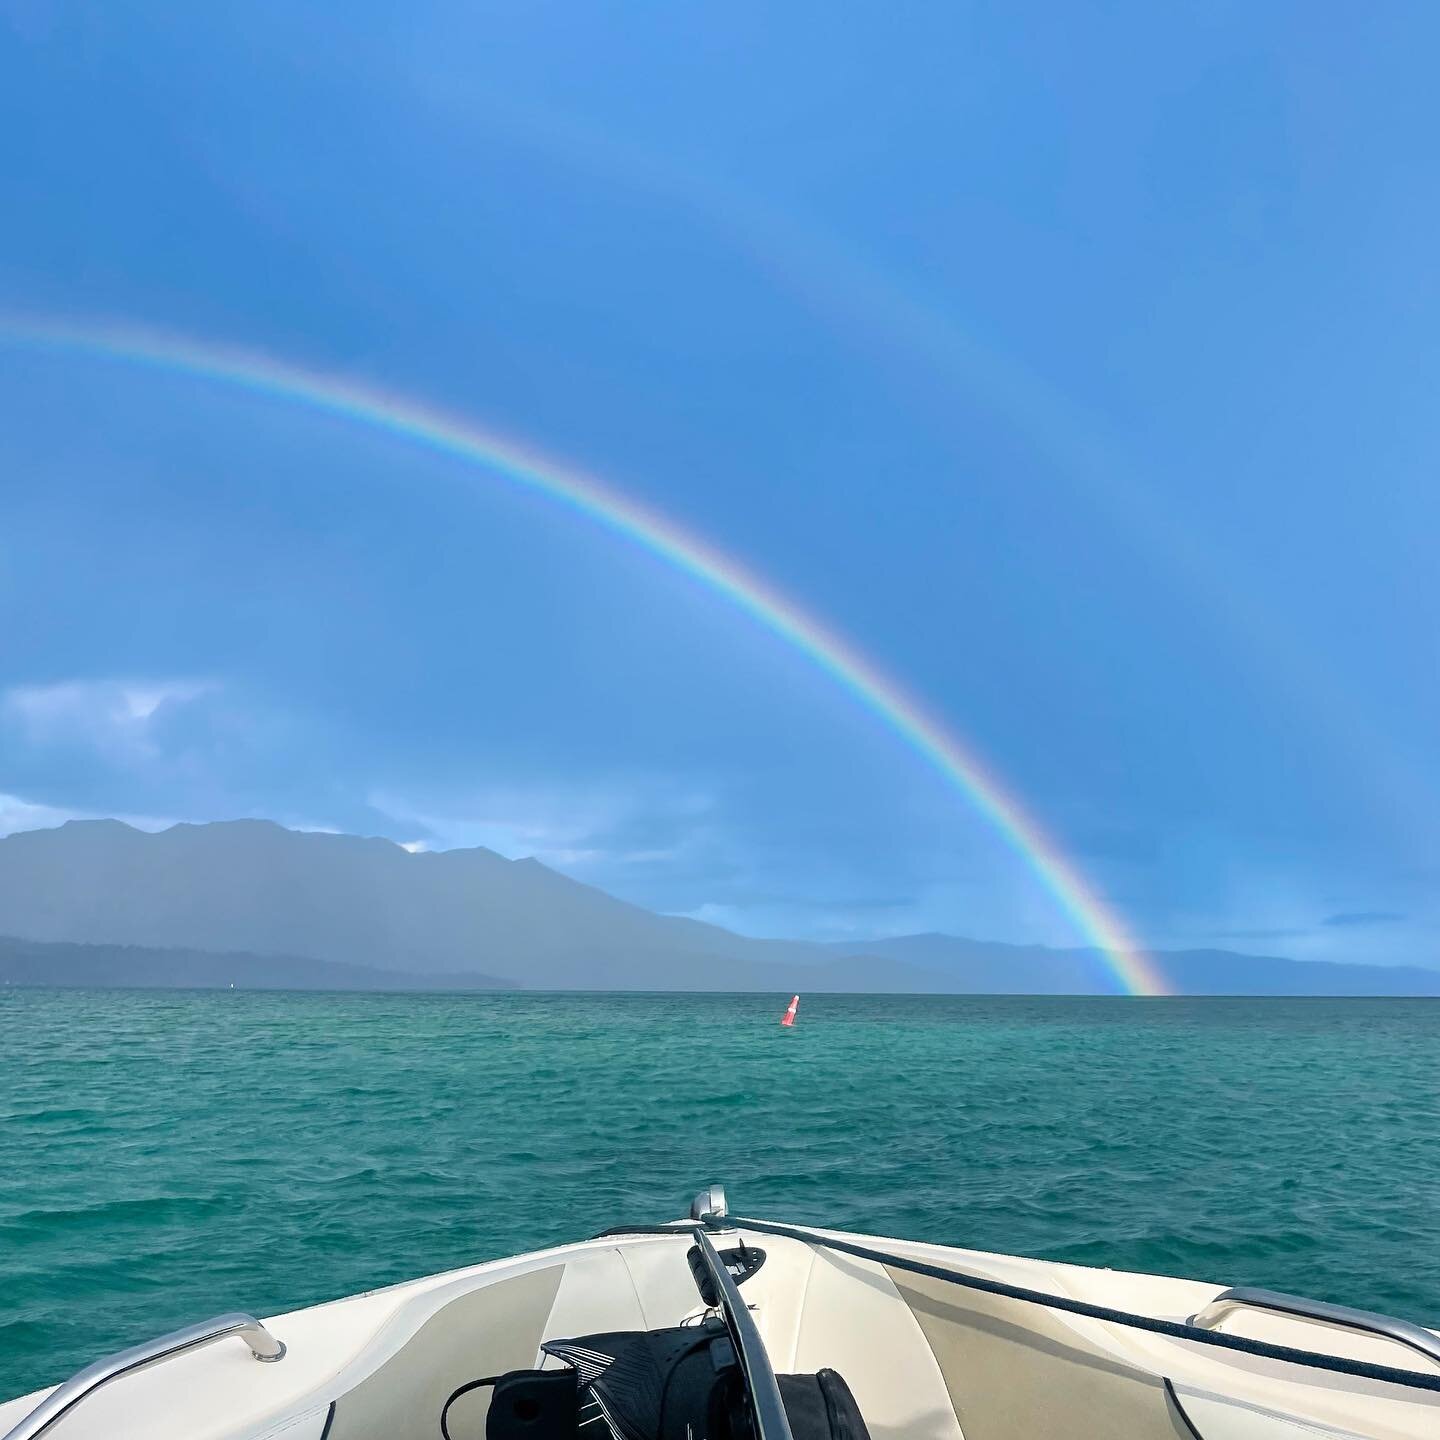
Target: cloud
x=1357, y=919
x=799, y=919
x=118, y=719
x=668, y=843
x=574, y=827
x=728, y=917
x=183, y=748
x=804, y=900
x=1281, y=932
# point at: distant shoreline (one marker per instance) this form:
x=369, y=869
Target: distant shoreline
x=522, y=992
x=250, y=902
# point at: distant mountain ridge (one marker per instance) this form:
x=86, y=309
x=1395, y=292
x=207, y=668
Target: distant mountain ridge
x=980, y=967
x=287, y=901
x=61, y=963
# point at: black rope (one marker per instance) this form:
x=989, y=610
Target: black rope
x=1174, y=1329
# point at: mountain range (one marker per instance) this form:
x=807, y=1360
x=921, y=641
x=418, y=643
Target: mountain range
x=251, y=903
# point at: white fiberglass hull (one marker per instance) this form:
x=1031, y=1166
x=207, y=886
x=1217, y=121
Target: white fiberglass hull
x=925, y=1360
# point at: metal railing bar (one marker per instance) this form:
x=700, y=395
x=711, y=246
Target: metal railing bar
x=770, y=1418
x=66, y=1396
x=1341, y=1317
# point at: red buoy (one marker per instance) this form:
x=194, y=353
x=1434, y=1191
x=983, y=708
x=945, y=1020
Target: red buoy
x=788, y=1018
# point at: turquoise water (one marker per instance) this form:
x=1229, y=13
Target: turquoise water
x=168, y=1155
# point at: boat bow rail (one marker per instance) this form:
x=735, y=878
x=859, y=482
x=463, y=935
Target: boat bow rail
x=771, y=1421
x=65, y=1397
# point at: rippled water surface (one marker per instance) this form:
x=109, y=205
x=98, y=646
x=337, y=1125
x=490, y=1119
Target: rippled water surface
x=168, y=1155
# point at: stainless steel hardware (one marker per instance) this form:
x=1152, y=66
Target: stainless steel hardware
x=64, y=1398
x=1341, y=1317
x=771, y=1422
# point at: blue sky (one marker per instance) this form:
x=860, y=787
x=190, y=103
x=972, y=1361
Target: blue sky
x=1074, y=361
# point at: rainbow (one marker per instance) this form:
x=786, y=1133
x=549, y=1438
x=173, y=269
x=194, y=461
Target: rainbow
x=422, y=424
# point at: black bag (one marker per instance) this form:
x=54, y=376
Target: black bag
x=682, y=1383
x=534, y=1405
x=821, y=1407
x=526, y=1405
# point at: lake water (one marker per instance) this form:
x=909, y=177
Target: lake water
x=167, y=1155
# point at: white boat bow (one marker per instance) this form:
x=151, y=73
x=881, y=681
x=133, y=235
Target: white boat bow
x=936, y=1343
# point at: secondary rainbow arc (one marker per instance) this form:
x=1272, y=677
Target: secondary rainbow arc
x=426, y=425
